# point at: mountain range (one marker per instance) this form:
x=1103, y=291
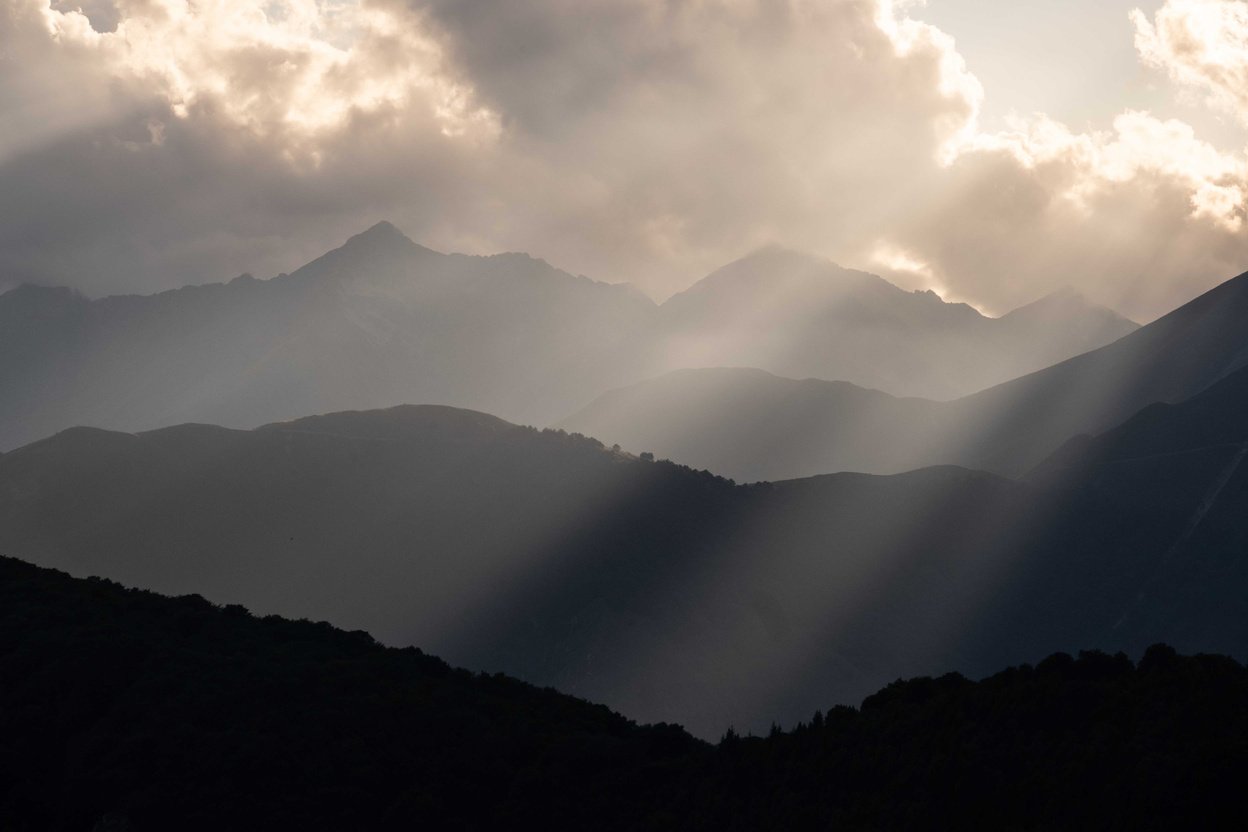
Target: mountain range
x=796, y=315
x=751, y=425
x=123, y=710
x=668, y=593
x=382, y=321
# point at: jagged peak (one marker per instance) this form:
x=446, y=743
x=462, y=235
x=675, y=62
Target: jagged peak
x=381, y=233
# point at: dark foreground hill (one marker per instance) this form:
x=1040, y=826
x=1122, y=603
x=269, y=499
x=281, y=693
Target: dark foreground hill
x=666, y=593
x=123, y=710
x=751, y=425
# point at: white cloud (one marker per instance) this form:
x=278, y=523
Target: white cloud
x=649, y=140
x=1203, y=45
x=293, y=68
x=1140, y=217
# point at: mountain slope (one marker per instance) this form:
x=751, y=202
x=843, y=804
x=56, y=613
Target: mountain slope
x=382, y=321
x=665, y=592
x=125, y=710
x=377, y=322
x=1020, y=422
x=1187, y=460
x=801, y=316
x=750, y=425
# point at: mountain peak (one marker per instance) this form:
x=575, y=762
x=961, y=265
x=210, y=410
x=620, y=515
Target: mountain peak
x=381, y=249
x=772, y=267
x=776, y=255
x=1066, y=301
x=382, y=233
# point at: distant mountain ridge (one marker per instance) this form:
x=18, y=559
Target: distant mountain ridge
x=751, y=425
x=377, y=322
x=801, y=316
x=382, y=321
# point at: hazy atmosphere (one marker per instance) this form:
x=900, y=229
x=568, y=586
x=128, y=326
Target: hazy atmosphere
x=992, y=155
x=629, y=415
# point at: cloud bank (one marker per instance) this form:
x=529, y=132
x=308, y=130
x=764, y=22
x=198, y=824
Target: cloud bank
x=149, y=143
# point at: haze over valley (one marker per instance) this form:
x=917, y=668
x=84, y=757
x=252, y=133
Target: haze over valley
x=639, y=415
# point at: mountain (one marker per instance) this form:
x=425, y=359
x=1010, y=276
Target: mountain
x=1188, y=461
x=801, y=316
x=751, y=425
x=383, y=321
x=377, y=322
x=1017, y=424
x=123, y=710
x=667, y=593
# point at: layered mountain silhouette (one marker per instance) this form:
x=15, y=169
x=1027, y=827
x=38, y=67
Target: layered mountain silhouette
x=383, y=321
x=123, y=710
x=800, y=316
x=1188, y=461
x=666, y=592
x=377, y=322
x=751, y=425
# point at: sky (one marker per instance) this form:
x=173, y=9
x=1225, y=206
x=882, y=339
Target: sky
x=991, y=151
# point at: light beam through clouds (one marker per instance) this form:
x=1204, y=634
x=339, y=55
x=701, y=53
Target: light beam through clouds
x=146, y=144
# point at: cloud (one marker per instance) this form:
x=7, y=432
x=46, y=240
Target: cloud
x=150, y=143
x=198, y=140
x=1141, y=217
x=1202, y=45
x=679, y=134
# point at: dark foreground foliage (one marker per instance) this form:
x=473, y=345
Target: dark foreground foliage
x=124, y=710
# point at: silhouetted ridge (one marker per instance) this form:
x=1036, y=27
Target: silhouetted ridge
x=381, y=320
x=402, y=422
x=1019, y=423
x=752, y=425
x=34, y=293
x=381, y=234
x=122, y=709
x=770, y=267
x=125, y=710
x=665, y=592
x=755, y=427
x=1069, y=302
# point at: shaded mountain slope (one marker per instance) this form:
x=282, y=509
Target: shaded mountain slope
x=802, y=316
x=668, y=593
x=1174, y=358
x=377, y=322
x=1187, y=460
x=751, y=426
x=125, y=710
x=382, y=321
